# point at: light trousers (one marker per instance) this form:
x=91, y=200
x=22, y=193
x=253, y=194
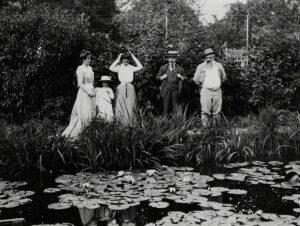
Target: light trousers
x=211, y=105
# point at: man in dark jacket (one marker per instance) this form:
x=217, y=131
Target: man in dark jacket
x=171, y=75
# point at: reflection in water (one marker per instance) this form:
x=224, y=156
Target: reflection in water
x=92, y=217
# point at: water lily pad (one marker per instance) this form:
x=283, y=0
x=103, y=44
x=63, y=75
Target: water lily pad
x=58, y=224
x=275, y=163
x=258, y=163
x=119, y=207
x=159, y=205
x=296, y=210
x=59, y=206
x=52, y=190
x=219, y=189
x=219, y=176
x=237, y=192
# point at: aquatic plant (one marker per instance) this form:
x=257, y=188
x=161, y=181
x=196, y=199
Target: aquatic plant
x=34, y=145
x=152, y=141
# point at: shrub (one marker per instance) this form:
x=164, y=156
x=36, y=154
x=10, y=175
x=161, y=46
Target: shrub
x=40, y=47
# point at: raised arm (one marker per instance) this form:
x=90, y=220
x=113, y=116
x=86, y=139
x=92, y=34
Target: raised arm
x=138, y=63
x=114, y=67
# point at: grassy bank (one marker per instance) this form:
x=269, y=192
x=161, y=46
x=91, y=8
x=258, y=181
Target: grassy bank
x=174, y=140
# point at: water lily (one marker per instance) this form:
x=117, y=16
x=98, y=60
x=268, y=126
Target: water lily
x=129, y=179
x=172, y=189
x=150, y=172
x=121, y=173
x=186, y=179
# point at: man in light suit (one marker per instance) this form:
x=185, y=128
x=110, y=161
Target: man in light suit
x=171, y=76
x=210, y=74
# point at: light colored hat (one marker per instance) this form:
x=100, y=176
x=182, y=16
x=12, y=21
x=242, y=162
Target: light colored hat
x=105, y=78
x=208, y=51
x=172, y=53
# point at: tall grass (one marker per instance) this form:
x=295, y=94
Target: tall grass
x=34, y=145
x=271, y=135
x=151, y=142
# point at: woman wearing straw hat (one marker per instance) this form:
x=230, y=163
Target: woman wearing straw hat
x=125, y=94
x=104, y=96
x=84, y=107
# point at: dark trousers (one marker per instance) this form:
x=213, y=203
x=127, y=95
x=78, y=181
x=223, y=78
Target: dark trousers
x=170, y=98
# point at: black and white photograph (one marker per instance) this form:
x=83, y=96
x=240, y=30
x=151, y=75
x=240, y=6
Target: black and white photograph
x=149, y=112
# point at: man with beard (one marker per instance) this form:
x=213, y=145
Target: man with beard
x=210, y=74
x=171, y=75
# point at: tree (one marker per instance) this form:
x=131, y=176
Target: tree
x=143, y=28
x=274, y=48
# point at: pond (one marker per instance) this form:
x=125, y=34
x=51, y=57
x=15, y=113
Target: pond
x=255, y=193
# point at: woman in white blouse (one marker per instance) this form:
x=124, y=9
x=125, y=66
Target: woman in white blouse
x=84, y=106
x=125, y=94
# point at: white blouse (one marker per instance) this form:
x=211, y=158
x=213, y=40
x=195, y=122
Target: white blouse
x=85, y=78
x=125, y=73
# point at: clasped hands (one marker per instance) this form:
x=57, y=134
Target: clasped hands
x=165, y=76
x=91, y=94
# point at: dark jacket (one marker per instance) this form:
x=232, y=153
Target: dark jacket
x=164, y=85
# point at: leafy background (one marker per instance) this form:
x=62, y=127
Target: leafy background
x=41, y=40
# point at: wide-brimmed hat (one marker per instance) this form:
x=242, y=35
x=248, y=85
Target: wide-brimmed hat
x=105, y=78
x=208, y=51
x=172, y=53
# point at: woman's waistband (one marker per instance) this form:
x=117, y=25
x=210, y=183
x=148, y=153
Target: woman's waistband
x=125, y=83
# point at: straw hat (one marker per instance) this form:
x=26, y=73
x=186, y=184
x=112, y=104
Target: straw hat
x=105, y=78
x=208, y=51
x=172, y=53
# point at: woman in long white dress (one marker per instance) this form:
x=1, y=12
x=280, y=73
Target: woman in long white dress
x=84, y=107
x=125, y=93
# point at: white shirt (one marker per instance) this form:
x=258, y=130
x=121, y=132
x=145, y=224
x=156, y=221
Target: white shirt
x=125, y=73
x=212, y=79
x=210, y=75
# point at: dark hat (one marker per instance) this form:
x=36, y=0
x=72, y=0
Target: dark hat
x=126, y=56
x=172, y=54
x=208, y=51
x=84, y=53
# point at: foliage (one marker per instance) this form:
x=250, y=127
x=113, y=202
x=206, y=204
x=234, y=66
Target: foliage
x=39, y=50
x=273, y=55
x=98, y=12
x=151, y=142
x=154, y=141
x=33, y=146
x=143, y=29
x=271, y=135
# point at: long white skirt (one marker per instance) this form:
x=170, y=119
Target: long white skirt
x=126, y=104
x=82, y=113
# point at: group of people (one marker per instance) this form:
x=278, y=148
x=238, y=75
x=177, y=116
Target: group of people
x=91, y=101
